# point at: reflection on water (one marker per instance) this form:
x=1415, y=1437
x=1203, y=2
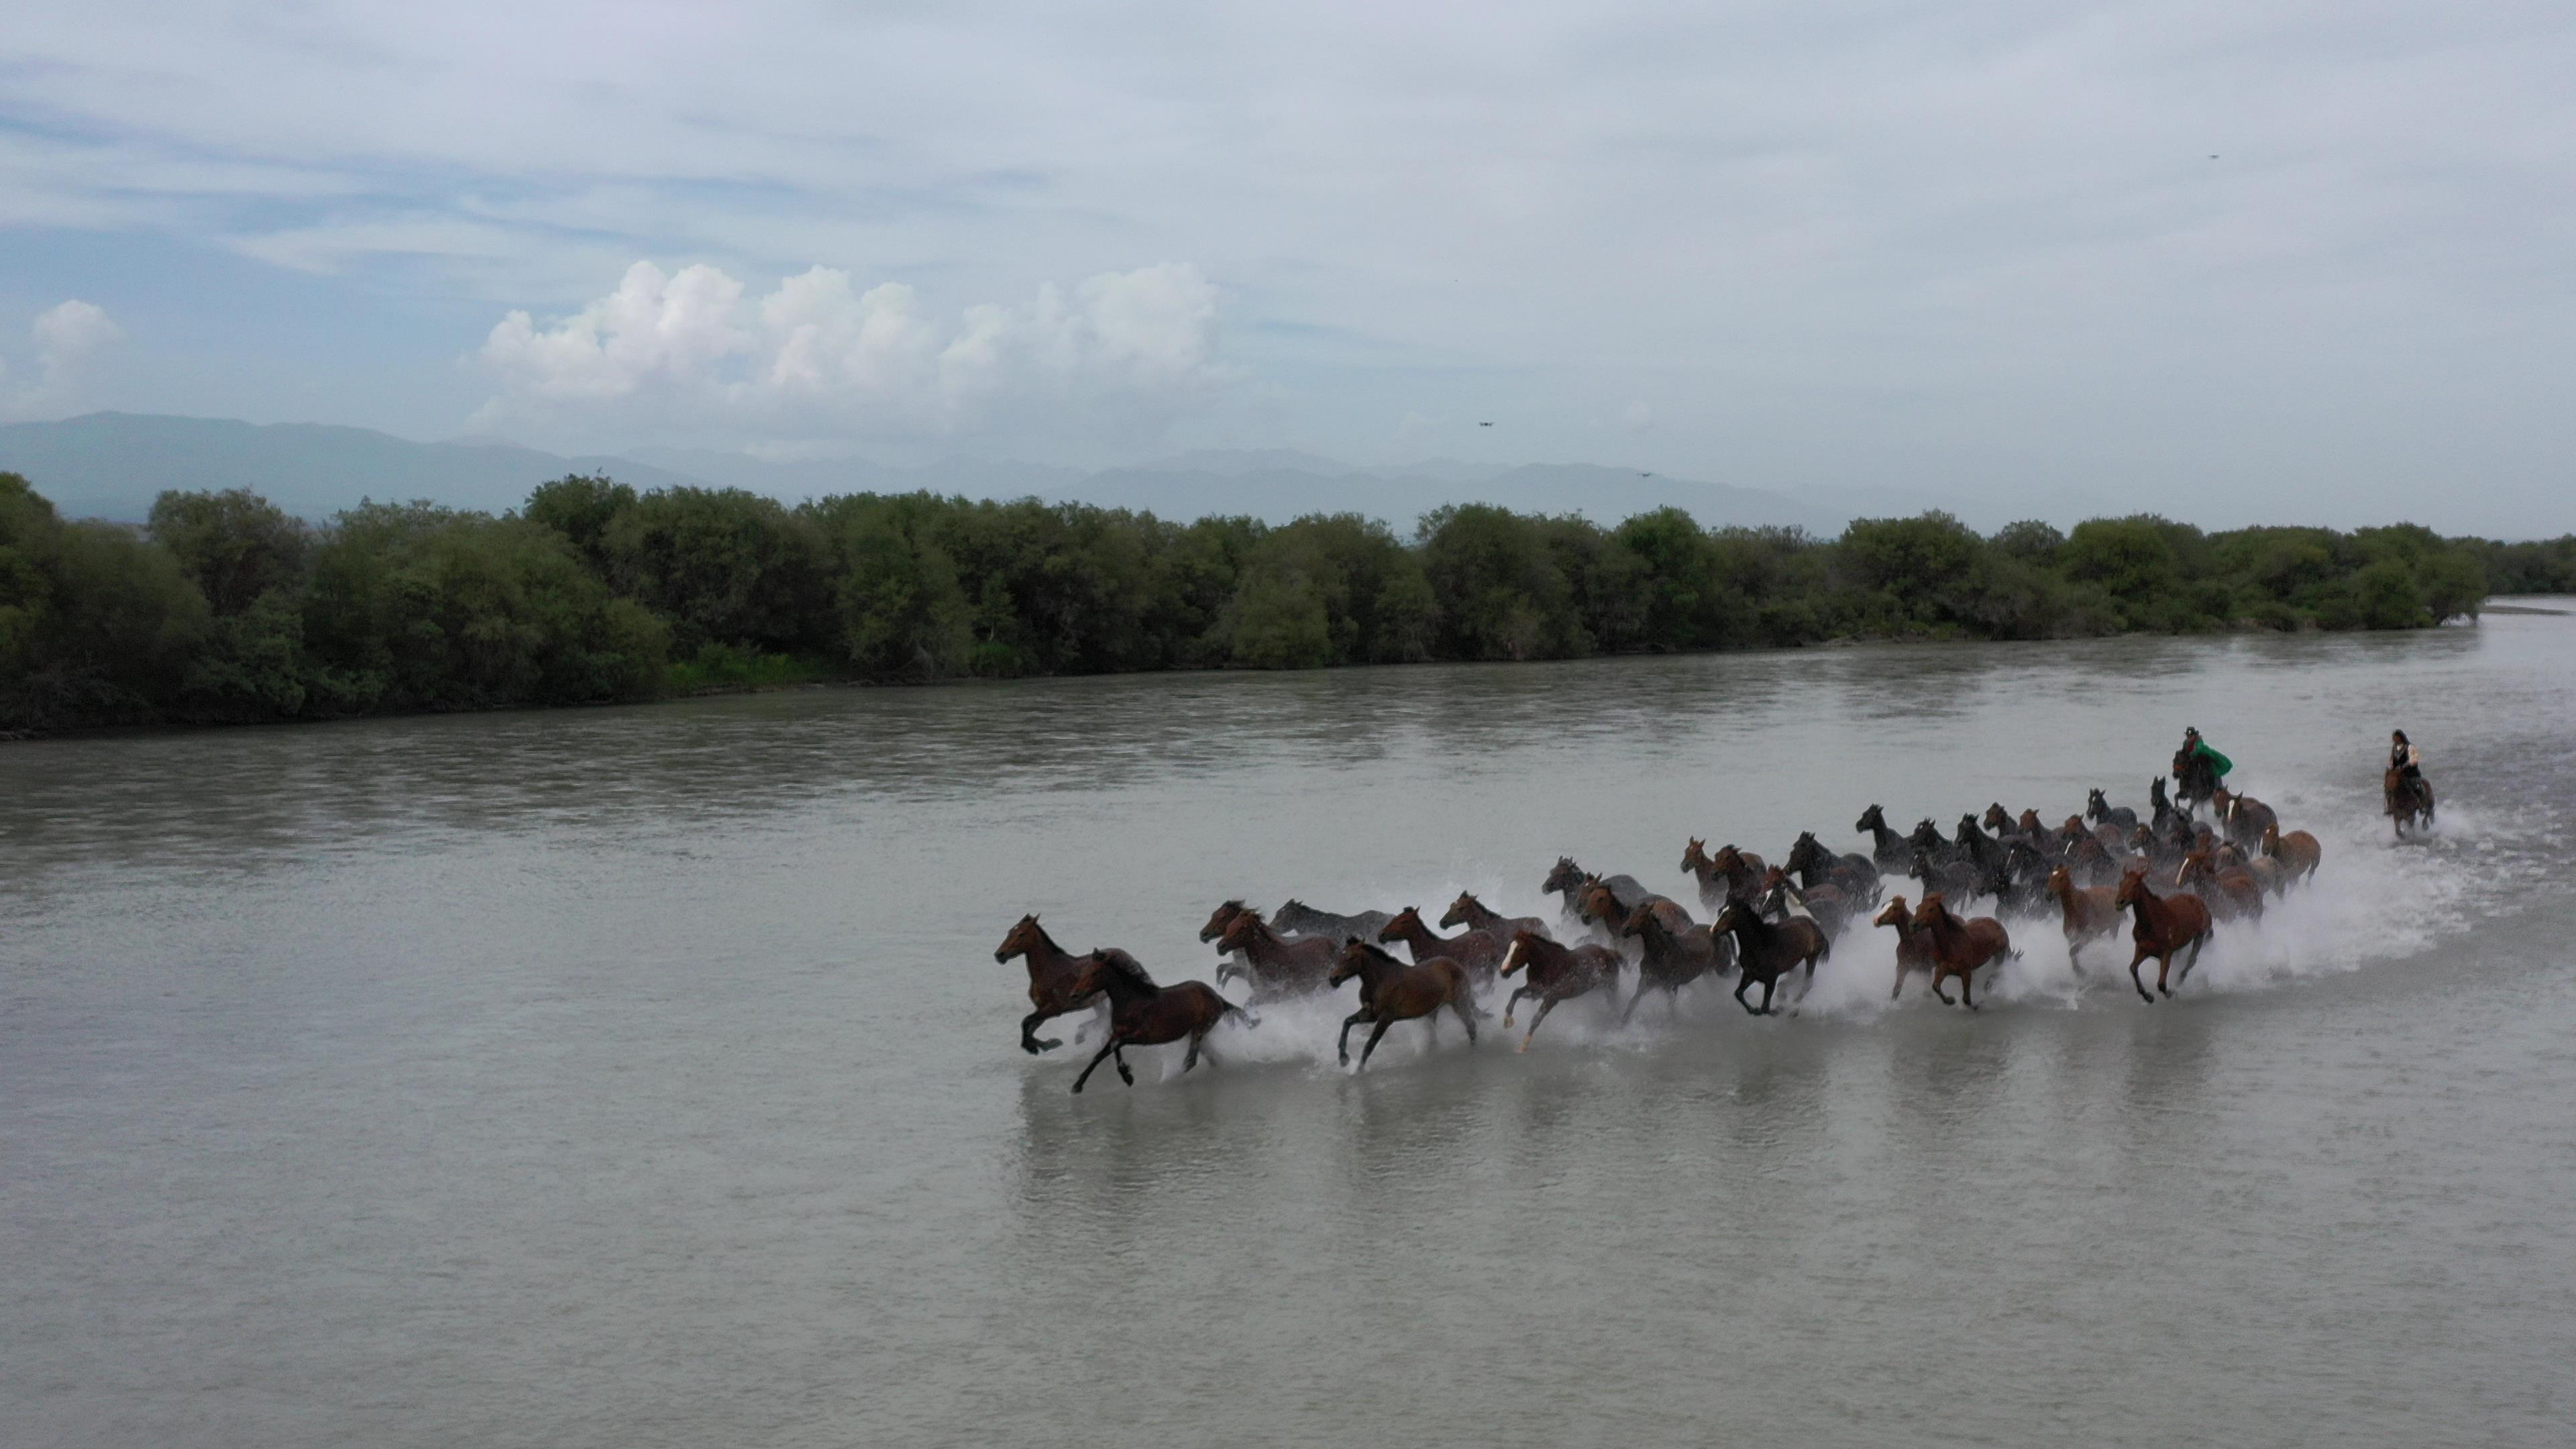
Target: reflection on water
x=643, y=1075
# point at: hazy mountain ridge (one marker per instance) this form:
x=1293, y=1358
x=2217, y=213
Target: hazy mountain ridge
x=111, y=465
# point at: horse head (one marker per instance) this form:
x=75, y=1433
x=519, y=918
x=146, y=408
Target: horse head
x=1461, y=909
x=1932, y=911
x=2061, y=883
x=1695, y=855
x=1599, y=902
x=2133, y=888
x=1406, y=923
x=1997, y=817
x=1521, y=951
x=1025, y=937
x=1894, y=914
x=1871, y=821
x=1224, y=917
x=1565, y=876
x=1806, y=854
x=1241, y=932
x=1355, y=958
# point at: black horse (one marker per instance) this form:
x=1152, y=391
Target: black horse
x=2196, y=779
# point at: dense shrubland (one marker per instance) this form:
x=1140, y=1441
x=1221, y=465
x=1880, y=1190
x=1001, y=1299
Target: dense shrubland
x=223, y=608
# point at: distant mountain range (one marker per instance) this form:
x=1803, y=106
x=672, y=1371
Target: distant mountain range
x=111, y=465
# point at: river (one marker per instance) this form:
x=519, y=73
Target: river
x=644, y=1076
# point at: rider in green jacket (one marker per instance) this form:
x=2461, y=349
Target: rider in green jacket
x=2193, y=744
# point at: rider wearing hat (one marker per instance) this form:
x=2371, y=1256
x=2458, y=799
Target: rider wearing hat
x=2193, y=746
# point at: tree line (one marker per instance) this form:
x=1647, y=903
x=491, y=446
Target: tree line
x=223, y=608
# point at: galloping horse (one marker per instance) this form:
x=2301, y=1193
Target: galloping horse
x=1296, y=918
x=2298, y=853
x=1913, y=943
x=1391, y=991
x=1825, y=902
x=1059, y=981
x=1475, y=915
x=1673, y=958
x=2410, y=801
x=2163, y=925
x=2243, y=818
x=1886, y=847
x=1959, y=947
x=1222, y=917
x=1765, y=952
x=2099, y=809
x=2156, y=797
x=1143, y=1014
x=1276, y=965
x=1856, y=875
x=1742, y=872
x=1952, y=877
x=1556, y=973
x=1568, y=880
x=2196, y=779
x=2229, y=894
x=1474, y=950
x=2086, y=912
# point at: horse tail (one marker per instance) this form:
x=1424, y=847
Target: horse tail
x=1250, y=1017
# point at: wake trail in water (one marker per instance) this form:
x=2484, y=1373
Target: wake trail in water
x=2374, y=900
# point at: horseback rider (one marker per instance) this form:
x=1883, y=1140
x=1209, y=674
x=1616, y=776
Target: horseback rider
x=2408, y=762
x=2196, y=748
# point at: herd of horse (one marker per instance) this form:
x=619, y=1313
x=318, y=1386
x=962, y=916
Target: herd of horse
x=2203, y=857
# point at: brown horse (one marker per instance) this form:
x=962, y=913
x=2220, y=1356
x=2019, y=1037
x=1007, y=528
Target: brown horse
x=1059, y=981
x=1143, y=1014
x=2297, y=852
x=1675, y=954
x=1827, y=902
x=1391, y=991
x=1556, y=973
x=1740, y=869
x=1296, y=918
x=2088, y=913
x=2230, y=894
x=1960, y=946
x=1695, y=861
x=1475, y=915
x=1765, y=952
x=2266, y=871
x=2410, y=802
x=1276, y=965
x=1221, y=918
x=1569, y=881
x=1475, y=950
x=2242, y=818
x=2162, y=926
x=1913, y=943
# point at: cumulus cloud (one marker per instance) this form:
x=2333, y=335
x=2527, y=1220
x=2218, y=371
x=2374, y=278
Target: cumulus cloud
x=695, y=347
x=68, y=336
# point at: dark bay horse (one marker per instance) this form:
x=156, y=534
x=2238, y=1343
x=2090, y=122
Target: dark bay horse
x=2409, y=801
x=2156, y=798
x=2298, y=853
x=1674, y=957
x=1952, y=877
x=1568, y=881
x=2242, y=819
x=1960, y=946
x=1477, y=951
x=2196, y=779
x=1296, y=918
x=1888, y=848
x=1144, y=1014
x=1857, y=876
x=1475, y=915
x=1276, y=965
x=2162, y=926
x=1765, y=952
x=1391, y=991
x=1556, y=973
x=1059, y=981
x=1222, y=917
x=2099, y=809
x=2085, y=912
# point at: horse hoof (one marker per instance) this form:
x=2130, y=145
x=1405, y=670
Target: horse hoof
x=1524, y=1046
x=1050, y=1044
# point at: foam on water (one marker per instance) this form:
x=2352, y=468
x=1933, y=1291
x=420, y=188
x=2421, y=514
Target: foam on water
x=2374, y=900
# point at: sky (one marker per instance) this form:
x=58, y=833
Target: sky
x=2234, y=262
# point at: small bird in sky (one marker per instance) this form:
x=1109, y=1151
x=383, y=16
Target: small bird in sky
x=1645, y=475
x=2213, y=155
x=1484, y=425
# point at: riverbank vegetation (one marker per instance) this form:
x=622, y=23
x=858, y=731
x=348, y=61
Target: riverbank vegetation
x=222, y=608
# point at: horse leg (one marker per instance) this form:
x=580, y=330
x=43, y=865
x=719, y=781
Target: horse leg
x=1546, y=1005
x=1374, y=1038
x=2164, y=966
x=1029, y=1033
x=1466, y=1014
x=1633, y=1000
x=1342, y=1048
x=1118, y=1049
x=2191, y=960
x=1968, y=988
x=2135, y=962
x=1769, y=984
x=1743, y=981
x=1095, y=1063
x=1514, y=1004
x=1190, y=1058
x=1940, y=978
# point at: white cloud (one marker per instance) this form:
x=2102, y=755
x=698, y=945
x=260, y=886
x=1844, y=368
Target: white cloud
x=693, y=348
x=68, y=336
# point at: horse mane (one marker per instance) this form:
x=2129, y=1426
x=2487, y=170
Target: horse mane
x=1126, y=966
x=1372, y=948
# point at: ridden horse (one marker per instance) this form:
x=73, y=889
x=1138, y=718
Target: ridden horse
x=1889, y=849
x=1059, y=981
x=1556, y=973
x=1568, y=880
x=1475, y=950
x=1913, y=943
x=1673, y=959
x=1276, y=965
x=2196, y=779
x=2229, y=894
x=1960, y=946
x=1856, y=875
x=1391, y=991
x=1825, y=902
x=1296, y=918
x=2098, y=808
x=2162, y=926
x=2087, y=913
x=1475, y=915
x=2243, y=818
x=2409, y=801
x=2297, y=853
x=1765, y=952
x=1143, y=1014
